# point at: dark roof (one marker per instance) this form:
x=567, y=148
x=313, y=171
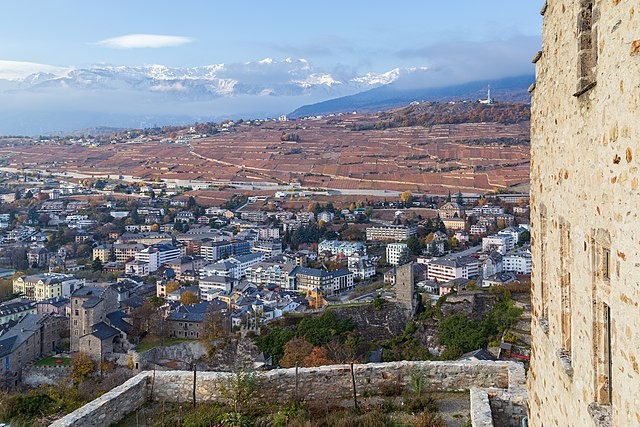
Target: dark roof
x=16, y=306
x=89, y=291
x=18, y=334
x=56, y=302
x=480, y=354
x=103, y=332
x=318, y=273
x=6, y=345
x=133, y=302
x=116, y=318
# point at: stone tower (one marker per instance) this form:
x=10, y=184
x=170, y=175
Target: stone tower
x=404, y=286
x=585, y=181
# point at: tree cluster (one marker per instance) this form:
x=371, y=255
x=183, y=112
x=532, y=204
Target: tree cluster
x=436, y=113
x=313, y=341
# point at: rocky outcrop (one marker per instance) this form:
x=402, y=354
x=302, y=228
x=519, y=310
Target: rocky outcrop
x=376, y=324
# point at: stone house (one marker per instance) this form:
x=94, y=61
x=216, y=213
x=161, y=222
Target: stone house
x=97, y=326
x=33, y=337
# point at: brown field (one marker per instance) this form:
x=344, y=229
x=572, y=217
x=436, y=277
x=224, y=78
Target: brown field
x=434, y=160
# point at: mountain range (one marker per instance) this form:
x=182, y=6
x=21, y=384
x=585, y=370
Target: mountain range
x=40, y=98
x=393, y=95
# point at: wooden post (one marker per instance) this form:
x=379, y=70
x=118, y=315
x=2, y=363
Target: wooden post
x=194, y=384
x=353, y=383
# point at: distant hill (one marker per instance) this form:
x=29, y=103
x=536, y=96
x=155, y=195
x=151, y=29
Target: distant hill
x=511, y=89
x=94, y=131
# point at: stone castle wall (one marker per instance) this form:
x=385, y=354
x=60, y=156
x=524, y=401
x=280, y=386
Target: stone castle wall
x=35, y=376
x=330, y=384
x=112, y=406
x=585, y=198
x=333, y=384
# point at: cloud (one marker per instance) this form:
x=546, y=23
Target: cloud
x=18, y=70
x=455, y=62
x=137, y=41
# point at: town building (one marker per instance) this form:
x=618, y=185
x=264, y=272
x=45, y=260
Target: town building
x=124, y=252
x=328, y=282
x=451, y=210
x=454, y=223
x=265, y=273
x=43, y=286
x=518, y=261
x=214, y=251
x=59, y=305
x=325, y=216
x=336, y=247
x=446, y=269
x=97, y=328
x=585, y=205
x=104, y=253
x=397, y=253
x=15, y=309
x=362, y=266
x=189, y=263
x=33, y=337
x=158, y=255
x=499, y=243
x=254, y=216
x=390, y=232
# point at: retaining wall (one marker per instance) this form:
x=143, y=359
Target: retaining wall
x=330, y=384
x=111, y=407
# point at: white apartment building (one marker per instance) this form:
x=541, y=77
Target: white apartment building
x=488, y=210
x=390, y=232
x=235, y=267
x=361, y=266
x=446, y=269
x=478, y=230
x=514, y=232
x=157, y=255
x=268, y=233
x=397, y=253
x=276, y=274
x=343, y=248
x=500, y=243
x=326, y=216
x=518, y=262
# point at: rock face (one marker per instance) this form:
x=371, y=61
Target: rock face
x=376, y=324
x=474, y=304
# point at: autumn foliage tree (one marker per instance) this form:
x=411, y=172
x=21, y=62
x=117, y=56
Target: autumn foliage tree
x=81, y=367
x=189, y=298
x=295, y=352
x=317, y=357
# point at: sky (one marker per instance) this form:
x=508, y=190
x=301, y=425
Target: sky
x=66, y=64
x=365, y=36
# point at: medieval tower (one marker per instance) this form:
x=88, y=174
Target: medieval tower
x=585, y=190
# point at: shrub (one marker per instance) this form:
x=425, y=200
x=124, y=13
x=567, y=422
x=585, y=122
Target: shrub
x=235, y=419
x=81, y=367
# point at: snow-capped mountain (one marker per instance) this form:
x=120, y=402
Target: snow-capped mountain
x=288, y=77
x=42, y=97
